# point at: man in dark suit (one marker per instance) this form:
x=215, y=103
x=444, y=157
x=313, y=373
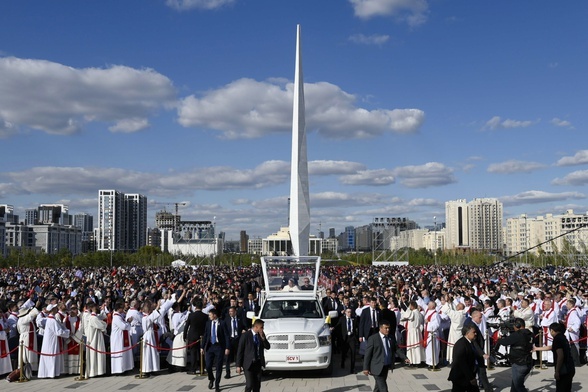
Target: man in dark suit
x=234, y=325
x=250, y=356
x=369, y=320
x=347, y=330
x=475, y=320
x=379, y=356
x=463, y=368
x=215, y=345
x=194, y=330
x=388, y=315
x=250, y=305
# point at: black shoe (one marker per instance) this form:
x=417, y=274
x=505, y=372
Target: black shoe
x=227, y=376
x=210, y=384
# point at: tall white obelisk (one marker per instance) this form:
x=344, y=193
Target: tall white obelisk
x=299, y=195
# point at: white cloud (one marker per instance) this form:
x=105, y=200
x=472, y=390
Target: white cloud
x=514, y=166
x=534, y=197
x=374, y=39
x=558, y=122
x=183, y=5
x=247, y=108
x=58, y=99
x=414, y=12
x=130, y=125
x=369, y=177
x=580, y=158
x=7, y=128
x=423, y=176
x=498, y=123
x=577, y=178
x=322, y=167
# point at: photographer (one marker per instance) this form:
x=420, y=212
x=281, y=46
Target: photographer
x=520, y=354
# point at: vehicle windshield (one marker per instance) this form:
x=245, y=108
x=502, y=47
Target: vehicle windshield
x=274, y=309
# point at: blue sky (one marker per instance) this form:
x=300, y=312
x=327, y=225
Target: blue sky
x=410, y=103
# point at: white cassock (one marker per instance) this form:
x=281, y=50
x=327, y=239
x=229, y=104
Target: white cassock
x=547, y=318
x=457, y=318
x=120, y=343
x=414, y=335
x=151, y=338
x=95, y=359
x=136, y=328
x=72, y=360
x=55, y=332
x=28, y=338
x=432, y=323
x=177, y=356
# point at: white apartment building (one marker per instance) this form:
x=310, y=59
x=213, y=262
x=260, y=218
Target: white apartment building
x=456, y=224
x=485, y=224
x=418, y=239
x=523, y=232
x=53, y=238
x=255, y=246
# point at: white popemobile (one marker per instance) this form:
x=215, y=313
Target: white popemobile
x=295, y=324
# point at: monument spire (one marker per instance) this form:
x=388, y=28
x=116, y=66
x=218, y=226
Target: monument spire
x=299, y=194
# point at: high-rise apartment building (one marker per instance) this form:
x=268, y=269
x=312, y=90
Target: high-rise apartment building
x=85, y=222
x=485, y=224
x=122, y=221
x=136, y=221
x=456, y=223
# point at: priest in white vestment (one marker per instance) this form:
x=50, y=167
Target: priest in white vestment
x=121, y=359
x=28, y=337
x=95, y=357
x=72, y=360
x=431, y=336
x=413, y=324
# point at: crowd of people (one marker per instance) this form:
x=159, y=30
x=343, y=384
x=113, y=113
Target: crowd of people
x=163, y=312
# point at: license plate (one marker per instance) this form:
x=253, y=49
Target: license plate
x=292, y=358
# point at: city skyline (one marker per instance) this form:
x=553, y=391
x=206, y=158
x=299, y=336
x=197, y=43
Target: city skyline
x=408, y=105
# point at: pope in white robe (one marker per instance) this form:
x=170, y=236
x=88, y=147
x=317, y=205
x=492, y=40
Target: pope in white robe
x=457, y=317
x=50, y=366
x=151, y=361
x=177, y=356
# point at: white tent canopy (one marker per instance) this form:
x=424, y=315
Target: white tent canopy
x=178, y=263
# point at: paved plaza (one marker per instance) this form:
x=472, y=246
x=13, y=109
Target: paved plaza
x=405, y=380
